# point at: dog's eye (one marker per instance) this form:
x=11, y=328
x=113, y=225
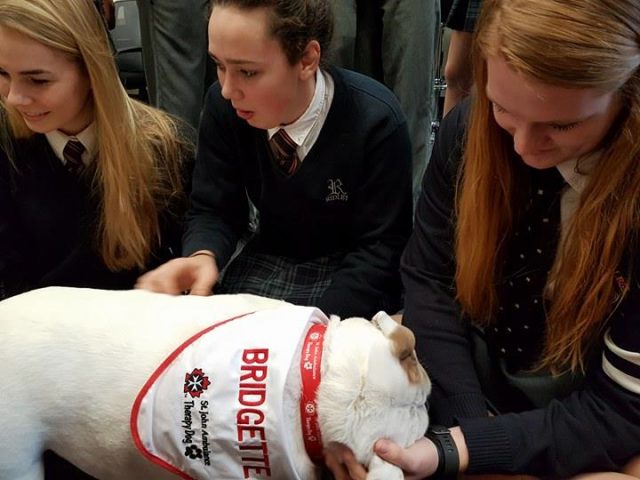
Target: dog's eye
x=403, y=355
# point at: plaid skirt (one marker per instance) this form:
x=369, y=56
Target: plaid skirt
x=274, y=276
x=463, y=15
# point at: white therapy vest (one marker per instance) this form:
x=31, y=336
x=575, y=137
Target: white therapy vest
x=214, y=408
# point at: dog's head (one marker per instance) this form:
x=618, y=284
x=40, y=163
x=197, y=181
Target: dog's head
x=372, y=385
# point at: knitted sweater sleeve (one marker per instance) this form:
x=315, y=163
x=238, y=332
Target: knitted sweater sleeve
x=442, y=336
x=10, y=254
x=218, y=210
x=596, y=428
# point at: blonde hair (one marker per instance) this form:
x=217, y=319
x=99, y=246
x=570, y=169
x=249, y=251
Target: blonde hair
x=570, y=44
x=140, y=149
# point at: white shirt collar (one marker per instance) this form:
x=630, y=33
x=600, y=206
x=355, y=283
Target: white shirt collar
x=576, y=172
x=88, y=138
x=299, y=129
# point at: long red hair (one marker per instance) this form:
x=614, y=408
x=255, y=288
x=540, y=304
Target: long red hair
x=604, y=53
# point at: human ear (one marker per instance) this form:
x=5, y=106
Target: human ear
x=310, y=60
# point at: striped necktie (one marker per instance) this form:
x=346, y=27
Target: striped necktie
x=284, y=151
x=72, y=154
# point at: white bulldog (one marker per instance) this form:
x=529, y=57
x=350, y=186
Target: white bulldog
x=145, y=386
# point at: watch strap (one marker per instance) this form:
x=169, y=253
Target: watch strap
x=448, y=458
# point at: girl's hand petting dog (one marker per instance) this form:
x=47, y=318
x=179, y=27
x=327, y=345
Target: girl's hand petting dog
x=342, y=463
x=418, y=461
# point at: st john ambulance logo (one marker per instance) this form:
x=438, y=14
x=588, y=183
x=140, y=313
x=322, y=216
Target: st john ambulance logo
x=195, y=383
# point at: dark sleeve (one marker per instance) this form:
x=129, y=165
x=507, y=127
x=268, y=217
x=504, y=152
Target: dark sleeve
x=218, y=208
x=367, y=279
x=11, y=235
x=83, y=267
x=593, y=429
x=428, y=268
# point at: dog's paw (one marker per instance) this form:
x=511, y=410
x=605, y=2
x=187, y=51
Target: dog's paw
x=381, y=470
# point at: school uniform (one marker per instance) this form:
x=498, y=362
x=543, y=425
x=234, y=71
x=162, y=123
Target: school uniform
x=573, y=423
x=328, y=235
x=48, y=219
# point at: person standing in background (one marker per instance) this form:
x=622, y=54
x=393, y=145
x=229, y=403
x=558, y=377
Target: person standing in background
x=394, y=41
x=107, y=9
x=457, y=71
x=174, y=51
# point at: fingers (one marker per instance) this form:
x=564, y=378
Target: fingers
x=417, y=461
x=633, y=467
x=163, y=279
x=206, y=277
x=391, y=452
x=338, y=470
x=356, y=471
x=342, y=463
x=197, y=274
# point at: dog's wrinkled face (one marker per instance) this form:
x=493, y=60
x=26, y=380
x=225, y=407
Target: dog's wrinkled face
x=372, y=386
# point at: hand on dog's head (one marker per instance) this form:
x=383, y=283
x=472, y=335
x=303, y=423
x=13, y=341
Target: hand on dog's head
x=372, y=387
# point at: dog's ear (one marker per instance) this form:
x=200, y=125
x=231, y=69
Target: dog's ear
x=384, y=323
x=403, y=344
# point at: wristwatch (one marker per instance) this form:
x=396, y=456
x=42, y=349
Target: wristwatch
x=448, y=459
